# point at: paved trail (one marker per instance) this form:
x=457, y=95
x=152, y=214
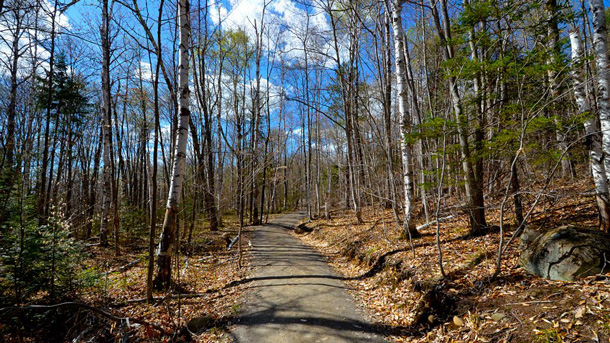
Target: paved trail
x=295, y=297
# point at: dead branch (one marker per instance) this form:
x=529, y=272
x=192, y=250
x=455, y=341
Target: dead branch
x=123, y=268
x=232, y=242
x=423, y=226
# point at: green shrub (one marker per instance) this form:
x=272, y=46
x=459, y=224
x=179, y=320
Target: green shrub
x=42, y=262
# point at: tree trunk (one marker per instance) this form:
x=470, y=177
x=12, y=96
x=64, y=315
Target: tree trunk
x=153, y=173
x=106, y=124
x=593, y=139
x=554, y=53
x=345, y=77
x=387, y=115
x=7, y=167
x=480, y=109
x=600, y=34
x=42, y=185
x=476, y=208
x=405, y=123
x=166, y=244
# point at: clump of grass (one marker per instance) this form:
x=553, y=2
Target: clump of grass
x=550, y=335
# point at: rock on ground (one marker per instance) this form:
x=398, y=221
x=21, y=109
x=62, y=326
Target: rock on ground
x=567, y=253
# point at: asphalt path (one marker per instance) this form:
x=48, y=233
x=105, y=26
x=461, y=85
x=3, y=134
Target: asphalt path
x=294, y=296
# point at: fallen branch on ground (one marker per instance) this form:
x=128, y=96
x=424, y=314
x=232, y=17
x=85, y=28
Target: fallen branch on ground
x=423, y=226
x=123, y=268
x=232, y=242
x=173, y=296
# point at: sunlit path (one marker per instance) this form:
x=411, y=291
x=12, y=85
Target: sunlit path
x=295, y=296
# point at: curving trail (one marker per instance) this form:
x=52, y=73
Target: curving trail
x=295, y=297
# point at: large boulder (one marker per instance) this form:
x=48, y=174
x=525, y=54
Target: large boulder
x=567, y=253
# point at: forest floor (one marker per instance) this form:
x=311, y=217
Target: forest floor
x=204, y=294
x=397, y=282
x=401, y=287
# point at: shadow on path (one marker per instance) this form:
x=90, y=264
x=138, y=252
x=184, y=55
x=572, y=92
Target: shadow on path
x=294, y=296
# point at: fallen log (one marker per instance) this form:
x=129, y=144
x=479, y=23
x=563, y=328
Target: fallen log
x=423, y=226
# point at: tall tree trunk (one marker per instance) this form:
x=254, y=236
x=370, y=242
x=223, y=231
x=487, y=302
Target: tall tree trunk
x=594, y=144
x=106, y=124
x=116, y=176
x=405, y=122
x=7, y=165
x=166, y=244
x=476, y=209
x=204, y=152
x=479, y=92
x=345, y=73
x=600, y=36
x=220, y=172
x=205, y=155
x=153, y=173
x=43, y=197
x=386, y=71
x=265, y=156
x=256, y=114
x=554, y=54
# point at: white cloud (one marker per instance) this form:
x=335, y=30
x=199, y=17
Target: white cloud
x=145, y=69
x=297, y=132
x=35, y=27
x=287, y=21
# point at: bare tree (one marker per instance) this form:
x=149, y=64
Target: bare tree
x=166, y=243
x=405, y=120
x=596, y=155
x=153, y=171
x=106, y=123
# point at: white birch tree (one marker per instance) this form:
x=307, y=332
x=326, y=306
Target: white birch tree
x=600, y=34
x=166, y=243
x=596, y=155
x=401, y=89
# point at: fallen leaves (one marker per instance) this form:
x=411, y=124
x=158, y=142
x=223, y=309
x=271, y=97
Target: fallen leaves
x=514, y=307
x=202, y=278
x=497, y=316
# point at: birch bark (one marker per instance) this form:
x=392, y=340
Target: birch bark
x=603, y=83
x=594, y=144
x=385, y=71
x=166, y=243
x=405, y=123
